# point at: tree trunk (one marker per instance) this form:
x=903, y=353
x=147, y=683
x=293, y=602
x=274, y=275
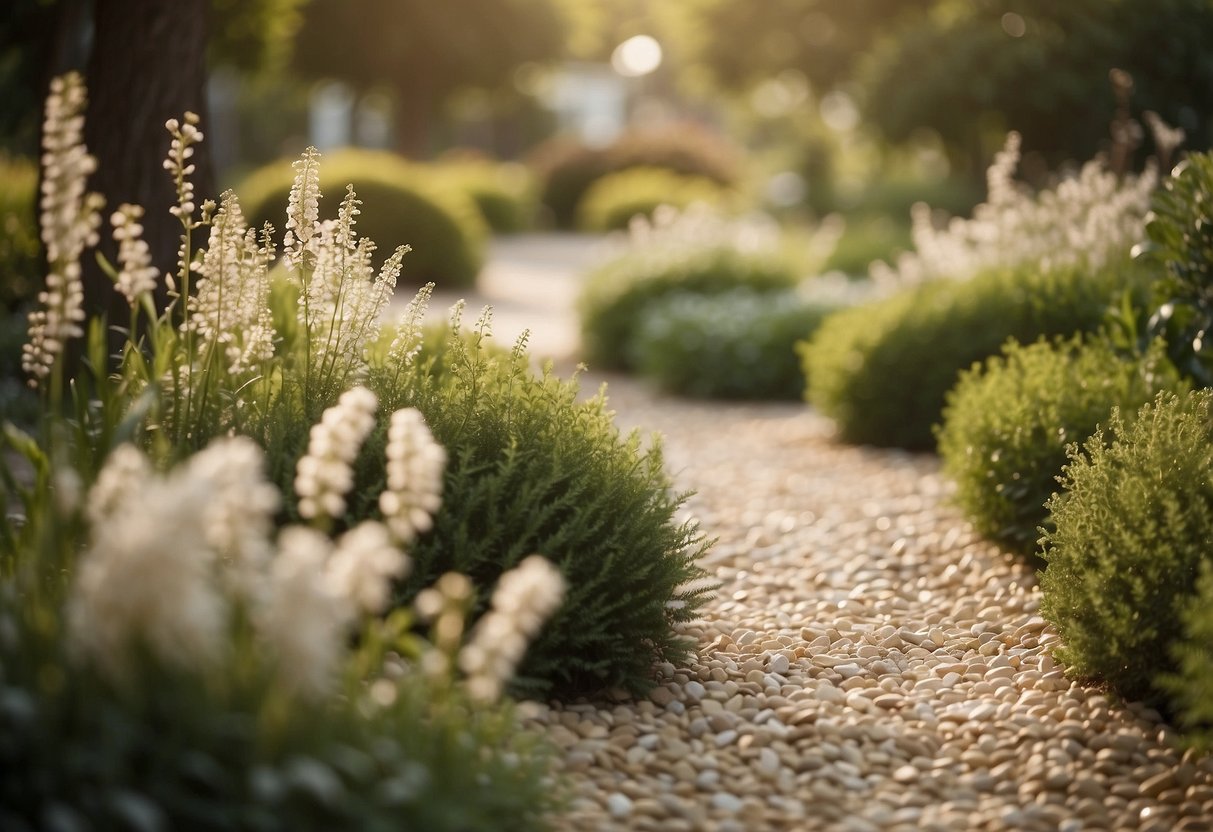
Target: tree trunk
x=148, y=64
x=411, y=112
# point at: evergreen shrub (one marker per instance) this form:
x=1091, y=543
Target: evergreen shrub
x=1191, y=685
x=504, y=193
x=616, y=294
x=881, y=371
x=1008, y=422
x=613, y=200
x=401, y=203
x=568, y=168
x=533, y=469
x=739, y=344
x=1131, y=532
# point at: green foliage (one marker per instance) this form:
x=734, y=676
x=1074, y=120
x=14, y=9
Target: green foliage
x=616, y=294
x=567, y=168
x=865, y=240
x=740, y=344
x=971, y=72
x=401, y=203
x=534, y=470
x=611, y=202
x=20, y=250
x=1181, y=238
x=881, y=371
x=1132, y=531
x=504, y=193
x=1191, y=686
x=1008, y=422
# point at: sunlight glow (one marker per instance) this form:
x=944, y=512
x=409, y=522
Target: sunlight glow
x=636, y=56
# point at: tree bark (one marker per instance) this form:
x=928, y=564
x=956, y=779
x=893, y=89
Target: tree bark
x=148, y=64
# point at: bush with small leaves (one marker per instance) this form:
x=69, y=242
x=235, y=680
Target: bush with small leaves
x=568, y=168
x=612, y=201
x=1130, y=534
x=739, y=344
x=1008, y=422
x=504, y=193
x=616, y=294
x=1191, y=685
x=533, y=469
x=402, y=203
x=881, y=371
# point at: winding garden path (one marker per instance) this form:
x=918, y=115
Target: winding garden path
x=868, y=663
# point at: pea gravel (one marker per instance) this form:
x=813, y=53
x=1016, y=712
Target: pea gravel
x=869, y=663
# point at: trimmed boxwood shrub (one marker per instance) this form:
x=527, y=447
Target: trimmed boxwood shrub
x=611, y=202
x=1131, y=533
x=881, y=371
x=503, y=192
x=616, y=294
x=1191, y=686
x=1007, y=424
x=568, y=168
x=534, y=470
x=401, y=203
x=739, y=344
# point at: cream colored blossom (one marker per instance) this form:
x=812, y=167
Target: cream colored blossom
x=415, y=466
x=136, y=274
x=324, y=475
x=303, y=206
x=524, y=599
x=364, y=565
x=125, y=472
x=69, y=220
x=407, y=341
x=304, y=621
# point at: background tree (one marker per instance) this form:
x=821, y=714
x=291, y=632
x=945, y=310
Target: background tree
x=973, y=70
x=424, y=51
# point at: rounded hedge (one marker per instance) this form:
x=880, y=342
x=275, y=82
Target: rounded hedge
x=503, y=192
x=1008, y=422
x=567, y=168
x=881, y=371
x=533, y=469
x=611, y=202
x=401, y=203
x=615, y=295
x=1131, y=533
x=740, y=344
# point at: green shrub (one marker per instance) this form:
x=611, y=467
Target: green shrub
x=504, y=193
x=568, y=168
x=534, y=470
x=401, y=203
x=616, y=294
x=1180, y=230
x=1191, y=686
x=20, y=250
x=881, y=371
x=739, y=344
x=1131, y=532
x=867, y=239
x=1007, y=424
x=611, y=202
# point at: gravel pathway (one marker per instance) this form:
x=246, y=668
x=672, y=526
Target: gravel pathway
x=869, y=663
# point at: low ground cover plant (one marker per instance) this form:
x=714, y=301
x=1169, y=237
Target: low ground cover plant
x=692, y=252
x=1130, y=536
x=739, y=344
x=1008, y=422
x=399, y=201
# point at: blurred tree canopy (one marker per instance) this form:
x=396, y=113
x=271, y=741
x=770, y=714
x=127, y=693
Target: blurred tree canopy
x=425, y=50
x=1041, y=67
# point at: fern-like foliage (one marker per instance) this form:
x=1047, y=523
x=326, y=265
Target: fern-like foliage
x=1131, y=532
x=533, y=469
